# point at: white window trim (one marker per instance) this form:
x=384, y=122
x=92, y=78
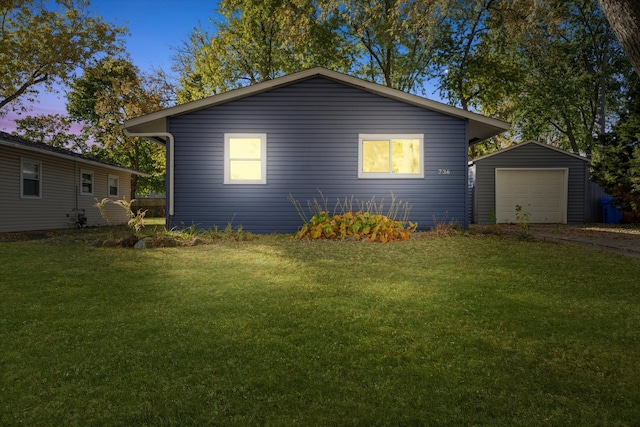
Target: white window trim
x=33, y=162
x=387, y=175
x=263, y=158
x=93, y=182
x=117, y=178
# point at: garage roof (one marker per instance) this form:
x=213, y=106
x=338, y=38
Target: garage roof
x=522, y=144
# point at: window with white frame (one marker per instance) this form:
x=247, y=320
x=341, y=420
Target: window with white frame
x=86, y=182
x=391, y=156
x=114, y=185
x=30, y=179
x=245, y=158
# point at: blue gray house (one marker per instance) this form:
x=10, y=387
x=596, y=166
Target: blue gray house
x=236, y=157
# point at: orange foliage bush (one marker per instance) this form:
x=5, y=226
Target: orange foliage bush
x=359, y=226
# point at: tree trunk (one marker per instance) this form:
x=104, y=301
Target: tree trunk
x=624, y=18
x=134, y=186
x=602, y=92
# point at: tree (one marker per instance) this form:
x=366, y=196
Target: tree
x=391, y=42
x=44, y=42
x=54, y=130
x=551, y=67
x=624, y=18
x=573, y=72
x=104, y=97
x=257, y=40
x=563, y=71
x=616, y=156
x=477, y=67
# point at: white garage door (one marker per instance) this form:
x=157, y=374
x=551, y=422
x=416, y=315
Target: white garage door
x=542, y=193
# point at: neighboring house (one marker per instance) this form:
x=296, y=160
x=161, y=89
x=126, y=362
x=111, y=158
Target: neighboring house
x=44, y=187
x=551, y=186
x=234, y=158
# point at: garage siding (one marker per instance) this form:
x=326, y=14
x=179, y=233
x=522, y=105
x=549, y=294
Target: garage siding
x=530, y=155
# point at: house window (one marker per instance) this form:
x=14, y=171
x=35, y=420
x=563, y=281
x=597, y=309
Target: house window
x=245, y=158
x=114, y=185
x=31, y=179
x=86, y=182
x=390, y=156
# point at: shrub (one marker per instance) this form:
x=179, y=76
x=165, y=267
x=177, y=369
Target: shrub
x=358, y=226
x=369, y=222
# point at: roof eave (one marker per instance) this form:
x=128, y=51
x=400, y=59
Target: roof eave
x=138, y=125
x=480, y=127
x=67, y=157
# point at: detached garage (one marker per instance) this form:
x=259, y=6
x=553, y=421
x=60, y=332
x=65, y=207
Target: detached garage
x=550, y=184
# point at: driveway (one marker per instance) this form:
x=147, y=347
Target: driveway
x=620, y=239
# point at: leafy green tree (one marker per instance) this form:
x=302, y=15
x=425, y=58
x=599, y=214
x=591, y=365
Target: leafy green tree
x=572, y=71
x=476, y=65
x=616, y=155
x=391, y=42
x=104, y=97
x=54, y=130
x=43, y=43
x=257, y=40
x=552, y=68
x=573, y=66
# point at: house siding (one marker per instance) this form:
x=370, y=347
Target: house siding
x=60, y=193
x=532, y=156
x=312, y=129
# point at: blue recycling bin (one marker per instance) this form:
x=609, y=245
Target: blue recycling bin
x=611, y=214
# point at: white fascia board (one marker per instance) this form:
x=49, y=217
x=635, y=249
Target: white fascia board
x=481, y=127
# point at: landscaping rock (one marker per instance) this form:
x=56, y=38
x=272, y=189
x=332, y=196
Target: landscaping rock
x=143, y=244
x=129, y=242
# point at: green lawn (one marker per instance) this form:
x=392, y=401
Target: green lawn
x=465, y=330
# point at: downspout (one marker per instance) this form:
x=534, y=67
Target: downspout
x=171, y=162
x=467, y=202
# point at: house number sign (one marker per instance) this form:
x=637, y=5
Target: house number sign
x=444, y=172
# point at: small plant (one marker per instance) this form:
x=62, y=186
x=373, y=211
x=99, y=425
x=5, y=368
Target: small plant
x=136, y=220
x=315, y=207
x=102, y=208
x=493, y=219
x=444, y=227
x=212, y=234
x=522, y=217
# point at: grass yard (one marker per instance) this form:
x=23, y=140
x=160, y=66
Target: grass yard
x=465, y=330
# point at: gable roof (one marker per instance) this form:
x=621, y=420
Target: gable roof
x=9, y=140
x=480, y=127
x=522, y=144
